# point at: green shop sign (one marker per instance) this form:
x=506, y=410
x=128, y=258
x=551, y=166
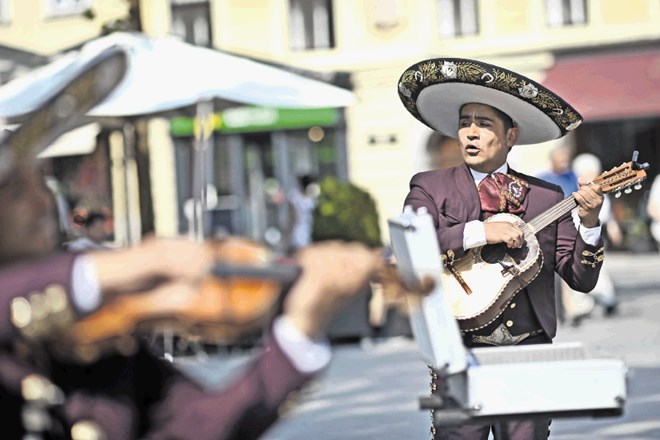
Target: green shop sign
x=255, y=119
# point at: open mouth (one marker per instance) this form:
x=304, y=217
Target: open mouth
x=472, y=150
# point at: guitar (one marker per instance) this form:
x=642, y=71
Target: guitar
x=480, y=285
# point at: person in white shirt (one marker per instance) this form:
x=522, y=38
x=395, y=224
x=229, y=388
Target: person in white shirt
x=94, y=234
x=653, y=210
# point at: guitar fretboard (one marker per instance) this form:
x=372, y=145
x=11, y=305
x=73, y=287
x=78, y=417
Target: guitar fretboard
x=552, y=214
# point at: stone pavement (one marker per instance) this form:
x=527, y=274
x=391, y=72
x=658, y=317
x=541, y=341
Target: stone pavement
x=630, y=269
x=632, y=335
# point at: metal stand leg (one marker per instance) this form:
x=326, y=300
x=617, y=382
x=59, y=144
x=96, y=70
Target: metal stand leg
x=168, y=344
x=501, y=431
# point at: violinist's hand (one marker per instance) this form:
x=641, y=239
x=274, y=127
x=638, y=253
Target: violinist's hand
x=155, y=259
x=397, y=291
x=332, y=274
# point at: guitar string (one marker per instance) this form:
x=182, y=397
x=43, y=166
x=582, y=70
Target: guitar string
x=553, y=213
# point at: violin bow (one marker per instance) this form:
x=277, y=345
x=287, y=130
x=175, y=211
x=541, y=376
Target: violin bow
x=283, y=273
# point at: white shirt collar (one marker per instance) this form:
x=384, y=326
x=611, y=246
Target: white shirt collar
x=478, y=176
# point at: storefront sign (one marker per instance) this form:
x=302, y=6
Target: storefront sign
x=256, y=119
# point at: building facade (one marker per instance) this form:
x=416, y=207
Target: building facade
x=601, y=55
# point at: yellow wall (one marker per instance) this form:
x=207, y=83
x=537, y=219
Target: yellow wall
x=156, y=17
x=163, y=178
x=513, y=16
x=30, y=29
x=631, y=12
x=260, y=28
x=252, y=27
x=383, y=168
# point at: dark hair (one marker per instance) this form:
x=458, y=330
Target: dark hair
x=506, y=119
x=305, y=180
x=93, y=217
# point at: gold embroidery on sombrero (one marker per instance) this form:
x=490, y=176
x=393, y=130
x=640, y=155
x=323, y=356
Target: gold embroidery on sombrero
x=431, y=72
x=569, y=120
x=504, y=81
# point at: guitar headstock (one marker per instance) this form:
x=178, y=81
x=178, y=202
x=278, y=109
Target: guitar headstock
x=625, y=177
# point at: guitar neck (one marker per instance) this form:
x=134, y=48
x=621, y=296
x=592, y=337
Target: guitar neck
x=552, y=214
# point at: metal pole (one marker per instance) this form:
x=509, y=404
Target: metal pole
x=128, y=131
x=203, y=134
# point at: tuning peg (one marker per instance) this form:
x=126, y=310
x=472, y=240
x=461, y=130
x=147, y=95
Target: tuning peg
x=638, y=186
x=627, y=190
x=617, y=194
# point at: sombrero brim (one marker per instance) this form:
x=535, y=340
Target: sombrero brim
x=434, y=91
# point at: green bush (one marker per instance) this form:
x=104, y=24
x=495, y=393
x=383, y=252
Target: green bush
x=345, y=212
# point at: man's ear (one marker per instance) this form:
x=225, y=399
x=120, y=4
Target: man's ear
x=512, y=135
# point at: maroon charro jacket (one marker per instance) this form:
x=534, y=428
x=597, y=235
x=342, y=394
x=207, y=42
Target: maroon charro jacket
x=140, y=396
x=451, y=197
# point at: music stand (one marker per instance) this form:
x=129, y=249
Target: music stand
x=491, y=385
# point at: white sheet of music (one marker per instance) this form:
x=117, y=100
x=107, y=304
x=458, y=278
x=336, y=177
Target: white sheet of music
x=434, y=327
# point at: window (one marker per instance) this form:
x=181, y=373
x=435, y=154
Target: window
x=67, y=7
x=4, y=11
x=191, y=21
x=457, y=18
x=560, y=13
x=310, y=24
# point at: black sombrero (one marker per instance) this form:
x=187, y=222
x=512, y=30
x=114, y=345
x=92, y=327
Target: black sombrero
x=434, y=91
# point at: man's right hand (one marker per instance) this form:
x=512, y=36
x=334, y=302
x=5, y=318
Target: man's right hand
x=504, y=232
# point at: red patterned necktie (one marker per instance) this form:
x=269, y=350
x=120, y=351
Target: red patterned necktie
x=500, y=192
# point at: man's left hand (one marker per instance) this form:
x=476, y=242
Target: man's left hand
x=590, y=199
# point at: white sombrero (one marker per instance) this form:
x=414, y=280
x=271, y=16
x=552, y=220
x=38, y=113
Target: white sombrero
x=434, y=91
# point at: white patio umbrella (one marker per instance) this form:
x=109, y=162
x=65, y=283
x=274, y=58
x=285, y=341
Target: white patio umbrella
x=166, y=74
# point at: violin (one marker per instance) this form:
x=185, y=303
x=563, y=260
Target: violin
x=240, y=295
